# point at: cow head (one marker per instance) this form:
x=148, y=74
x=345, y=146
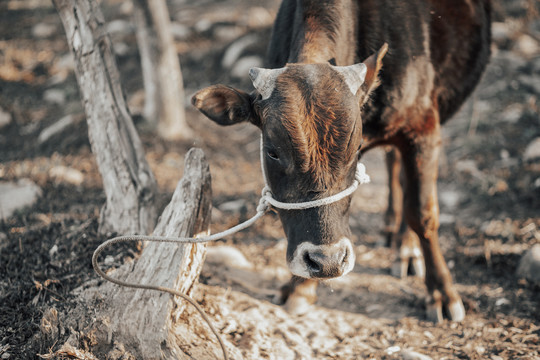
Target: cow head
x=310, y=118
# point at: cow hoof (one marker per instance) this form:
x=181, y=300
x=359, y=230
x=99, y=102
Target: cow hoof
x=434, y=313
x=400, y=267
x=297, y=305
x=456, y=311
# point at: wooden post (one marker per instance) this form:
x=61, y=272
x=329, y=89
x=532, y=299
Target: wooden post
x=144, y=319
x=128, y=181
x=162, y=77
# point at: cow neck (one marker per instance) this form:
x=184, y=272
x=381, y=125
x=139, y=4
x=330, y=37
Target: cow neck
x=325, y=33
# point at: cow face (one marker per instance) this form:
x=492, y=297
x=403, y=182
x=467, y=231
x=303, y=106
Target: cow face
x=310, y=119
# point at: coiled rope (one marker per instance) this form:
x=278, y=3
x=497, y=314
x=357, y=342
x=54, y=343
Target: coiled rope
x=265, y=202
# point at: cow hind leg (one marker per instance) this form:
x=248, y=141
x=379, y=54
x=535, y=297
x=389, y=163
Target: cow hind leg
x=298, y=295
x=394, y=211
x=420, y=158
x=404, y=242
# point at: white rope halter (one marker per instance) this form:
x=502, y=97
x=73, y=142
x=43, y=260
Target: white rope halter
x=266, y=200
x=360, y=178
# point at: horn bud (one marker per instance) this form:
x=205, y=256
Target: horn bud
x=354, y=75
x=264, y=80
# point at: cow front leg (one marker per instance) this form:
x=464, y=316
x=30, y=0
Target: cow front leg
x=399, y=237
x=298, y=295
x=420, y=159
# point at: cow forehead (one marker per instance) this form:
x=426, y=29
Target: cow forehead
x=313, y=75
x=320, y=116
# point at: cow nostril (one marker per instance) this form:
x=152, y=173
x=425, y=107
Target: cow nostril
x=344, y=257
x=312, y=264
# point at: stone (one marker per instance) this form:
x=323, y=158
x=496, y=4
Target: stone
x=67, y=175
x=235, y=50
x=259, y=17
x=240, y=70
x=15, y=196
x=499, y=31
x=234, y=206
x=126, y=8
x=450, y=198
x=120, y=48
x=180, y=31
x=446, y=219
x=54, y=96
x=228, y=256
x=527, y=45
x=5, y=118
x=529, y=265
x=43, y=30
x=53, y=251
x=66, y=62
x=227, y=32
x=532, y=151
x=118, y=26
x=203, y=25
x=512, y=113
x=55, y=128
x=413, y=355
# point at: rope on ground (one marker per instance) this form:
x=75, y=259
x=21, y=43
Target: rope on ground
x=261, y=209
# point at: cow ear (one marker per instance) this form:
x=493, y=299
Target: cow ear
x=225, y=105
x=374, y=65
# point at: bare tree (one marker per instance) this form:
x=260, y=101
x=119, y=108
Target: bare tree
x=128, y=181
x=162, y=77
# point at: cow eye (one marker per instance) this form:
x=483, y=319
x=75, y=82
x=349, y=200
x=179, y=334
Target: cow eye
x=272, y=154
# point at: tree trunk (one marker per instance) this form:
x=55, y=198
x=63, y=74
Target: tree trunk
x=144, y=319
x=164, y=89
x=128, y=181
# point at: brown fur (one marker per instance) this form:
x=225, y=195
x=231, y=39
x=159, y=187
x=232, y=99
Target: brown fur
x=316, y=124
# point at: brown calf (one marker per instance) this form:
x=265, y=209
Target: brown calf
x=319, y=109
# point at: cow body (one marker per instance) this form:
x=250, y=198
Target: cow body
x=319, y=112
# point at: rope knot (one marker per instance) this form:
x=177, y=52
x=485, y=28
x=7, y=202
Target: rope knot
x=361, y=175
x=264, y=205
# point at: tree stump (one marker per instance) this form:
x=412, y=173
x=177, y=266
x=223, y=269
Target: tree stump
x=142, y=319
x=128, y=181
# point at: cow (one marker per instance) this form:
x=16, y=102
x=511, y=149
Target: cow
x=343, y=77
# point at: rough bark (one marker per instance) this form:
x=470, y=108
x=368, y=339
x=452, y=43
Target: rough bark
x=162, y=77
x=128, y=181
x=141, y=319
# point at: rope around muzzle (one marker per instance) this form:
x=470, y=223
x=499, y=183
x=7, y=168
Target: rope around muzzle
x=266, y=201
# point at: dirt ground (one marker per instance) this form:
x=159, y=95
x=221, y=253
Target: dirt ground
x=489, y=198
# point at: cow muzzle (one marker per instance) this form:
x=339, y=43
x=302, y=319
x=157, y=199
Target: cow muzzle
x=323, y=261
